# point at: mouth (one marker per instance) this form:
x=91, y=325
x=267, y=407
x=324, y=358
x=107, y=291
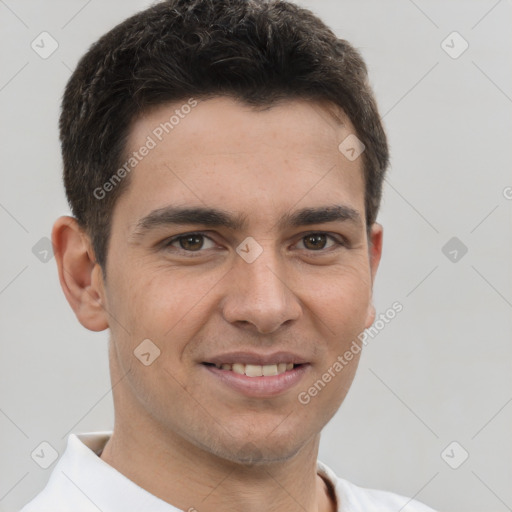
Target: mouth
x=255, y=370
x=256, y=376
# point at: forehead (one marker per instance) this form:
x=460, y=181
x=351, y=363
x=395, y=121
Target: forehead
x=225, y=153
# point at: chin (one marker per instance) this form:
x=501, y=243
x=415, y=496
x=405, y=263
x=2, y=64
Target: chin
x=254, y=453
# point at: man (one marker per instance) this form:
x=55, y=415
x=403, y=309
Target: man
x=224, y=162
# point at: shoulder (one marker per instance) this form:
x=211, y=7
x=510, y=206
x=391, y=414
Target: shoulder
x=68, y=487
x=353, y=498
x=59, y=495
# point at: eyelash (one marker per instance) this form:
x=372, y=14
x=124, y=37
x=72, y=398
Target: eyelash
x=166, y=244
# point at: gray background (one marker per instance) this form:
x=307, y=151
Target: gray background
x=439, y=372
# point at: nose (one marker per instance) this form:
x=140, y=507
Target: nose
x=260, y=295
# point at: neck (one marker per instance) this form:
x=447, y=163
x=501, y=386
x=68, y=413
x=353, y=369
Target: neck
x=190, y=478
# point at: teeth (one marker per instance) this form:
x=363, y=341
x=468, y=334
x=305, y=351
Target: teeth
x=238, y=368
x=269, y=370
x=253, y=370
x=256, y=370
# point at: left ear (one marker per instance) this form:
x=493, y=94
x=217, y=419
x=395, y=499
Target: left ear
x=375, y=253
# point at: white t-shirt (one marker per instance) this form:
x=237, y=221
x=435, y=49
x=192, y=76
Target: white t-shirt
x=82, y=482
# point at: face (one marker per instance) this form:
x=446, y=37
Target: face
x=239, y=249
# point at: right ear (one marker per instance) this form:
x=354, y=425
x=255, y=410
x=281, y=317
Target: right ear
x=80, y=275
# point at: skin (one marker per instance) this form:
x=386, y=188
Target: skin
x=179, y=432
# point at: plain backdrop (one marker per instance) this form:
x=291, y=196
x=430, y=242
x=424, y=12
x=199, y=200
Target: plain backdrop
x=434, y=386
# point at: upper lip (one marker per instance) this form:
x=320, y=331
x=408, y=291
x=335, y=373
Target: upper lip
x=254, y=358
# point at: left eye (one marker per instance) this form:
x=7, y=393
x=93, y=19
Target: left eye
x=192, y=242
x=317, y=241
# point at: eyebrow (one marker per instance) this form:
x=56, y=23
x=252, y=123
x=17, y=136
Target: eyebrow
x=214, y=217
x=320, y=215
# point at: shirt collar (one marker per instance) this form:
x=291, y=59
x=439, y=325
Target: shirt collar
x=109, y=489
x=104, y=486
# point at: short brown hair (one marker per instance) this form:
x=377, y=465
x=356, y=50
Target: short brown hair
x=256, y=51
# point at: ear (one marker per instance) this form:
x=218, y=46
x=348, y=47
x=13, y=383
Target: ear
x=79, y=274
x=375, y=253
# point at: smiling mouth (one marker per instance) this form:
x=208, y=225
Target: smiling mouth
x=256, y=370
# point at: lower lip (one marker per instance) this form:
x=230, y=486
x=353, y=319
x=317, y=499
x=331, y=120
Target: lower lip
x=260, y=387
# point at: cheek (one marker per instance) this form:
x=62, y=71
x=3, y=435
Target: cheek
x=165, y=305
x=340, y=298
x=153, y=305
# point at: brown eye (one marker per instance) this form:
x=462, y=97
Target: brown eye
x=320, y=242
x=191, y=242
x=315, y=241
